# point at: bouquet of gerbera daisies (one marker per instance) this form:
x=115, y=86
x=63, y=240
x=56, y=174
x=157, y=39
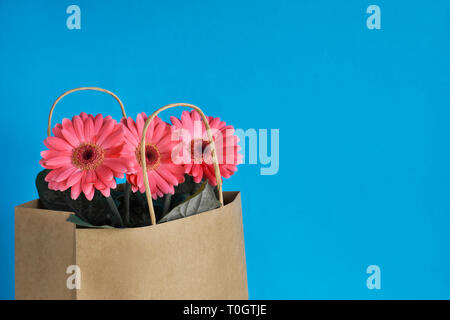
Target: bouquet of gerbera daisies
x=174, y=165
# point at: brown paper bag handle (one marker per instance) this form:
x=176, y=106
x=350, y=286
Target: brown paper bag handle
x=144, y=162
x=49, y=128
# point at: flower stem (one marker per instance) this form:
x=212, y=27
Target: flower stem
x=166, y=206
x=127, y=203
x=113, y=208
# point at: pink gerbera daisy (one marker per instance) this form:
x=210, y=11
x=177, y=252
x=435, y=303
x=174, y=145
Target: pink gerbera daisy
x=195, y=149
x=163, y=174
x=85, y=154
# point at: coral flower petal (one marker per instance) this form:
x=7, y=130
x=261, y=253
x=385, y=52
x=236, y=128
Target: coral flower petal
x=74, y=178
x=65, y=174
x=75, y=191
x=58, y=161
x=68, y=133
x=113, y=139
x=89, y=129
x=79, y=127
x=98, y=122
x=57, y=144
x=105, y=131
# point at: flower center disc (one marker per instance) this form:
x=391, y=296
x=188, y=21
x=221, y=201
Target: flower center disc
x=198, y=146
x=152, y=156
x=88, y=156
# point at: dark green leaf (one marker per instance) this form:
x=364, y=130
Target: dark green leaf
x=80, y=222
x=97, y=211
x=203, y=200
x=50, y=199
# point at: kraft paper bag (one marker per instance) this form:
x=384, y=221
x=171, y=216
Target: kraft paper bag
x=197, y=257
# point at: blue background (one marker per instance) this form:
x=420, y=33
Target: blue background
x=363, y=116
